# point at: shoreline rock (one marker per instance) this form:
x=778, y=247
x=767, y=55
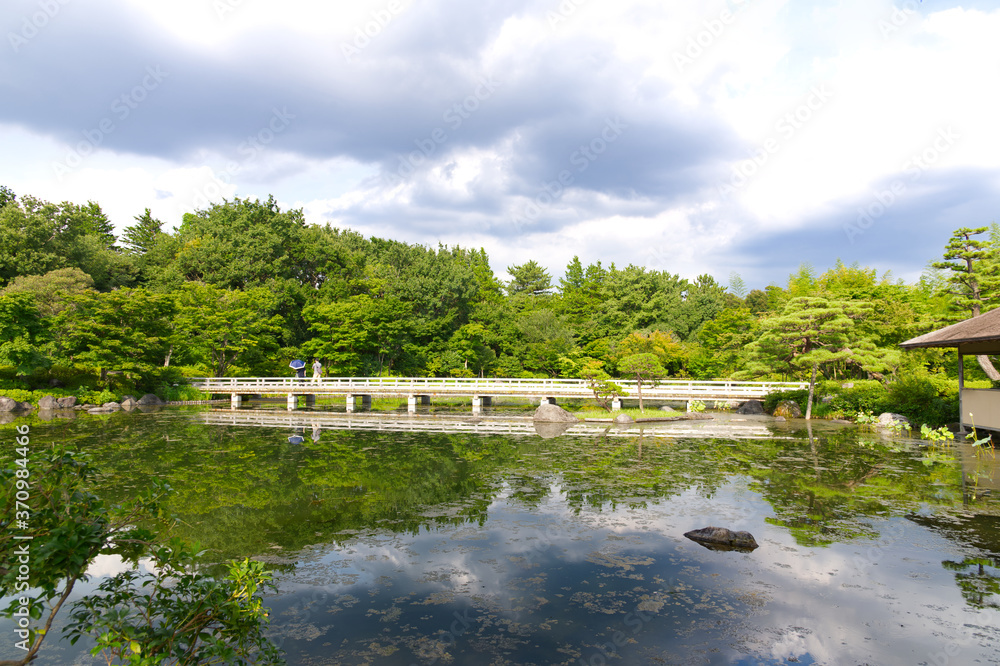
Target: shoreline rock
x=721, y=538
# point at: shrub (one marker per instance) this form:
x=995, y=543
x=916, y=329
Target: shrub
x=799, y=397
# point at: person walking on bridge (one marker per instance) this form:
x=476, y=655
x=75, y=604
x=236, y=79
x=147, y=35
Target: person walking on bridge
x=317, y=369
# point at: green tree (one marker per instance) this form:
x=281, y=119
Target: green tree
x=812, y=332
x=238, y=244
x=7, y=196
x=22, y=333
x=52, y=290
x=141, y=237
x=973, y=279
x=644, y=367
x=221, y=327
x=360, y=335
x=529, y=279
x=125, y=330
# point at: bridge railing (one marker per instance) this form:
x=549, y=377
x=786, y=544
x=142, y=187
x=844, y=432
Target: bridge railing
x=485, y=386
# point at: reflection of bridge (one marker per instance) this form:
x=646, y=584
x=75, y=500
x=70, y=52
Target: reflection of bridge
x=419, y=390
x=311, y=425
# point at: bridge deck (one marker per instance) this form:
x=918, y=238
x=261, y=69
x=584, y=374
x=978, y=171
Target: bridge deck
x=525, y=388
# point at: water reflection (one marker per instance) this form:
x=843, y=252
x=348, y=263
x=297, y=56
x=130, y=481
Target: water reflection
x=483, y=541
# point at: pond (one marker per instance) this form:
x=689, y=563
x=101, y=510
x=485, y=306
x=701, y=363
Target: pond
x=442, y=539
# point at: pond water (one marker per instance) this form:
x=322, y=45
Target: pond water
x=440, y=539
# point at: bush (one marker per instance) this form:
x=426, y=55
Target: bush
x=800, y=397
x=867, y=396
x=923, y=400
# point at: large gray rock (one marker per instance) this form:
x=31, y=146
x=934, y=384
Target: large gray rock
x=25, y=407
x=549, y=413
x=788, y=409
x=890, y=420
x=751, y=407
x=7, y=404
x=69, y=402
x=720, y=538
x=550, y=430
x=100, y=410
x=150, y=399
x=624, y=419
x=48, y=402
x=129, y=403
x=111, y=406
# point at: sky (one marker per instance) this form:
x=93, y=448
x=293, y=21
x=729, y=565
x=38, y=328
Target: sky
x=713, y=137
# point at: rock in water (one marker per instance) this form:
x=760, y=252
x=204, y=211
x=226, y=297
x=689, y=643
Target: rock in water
x=553, y=414
x=720, y=538
x=890, y=420
x=751, y=407
x=7, y=404
x=789, y=409
x=150, y=399
x=69, y=402
x=48, y=402
x=624, y=419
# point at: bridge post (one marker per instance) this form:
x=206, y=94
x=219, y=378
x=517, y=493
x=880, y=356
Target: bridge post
x=411, y=404
x=547, y=401
x=480, y=401
x=234, y=400
x=293, y=401
x=350, y=402
x=616, y=404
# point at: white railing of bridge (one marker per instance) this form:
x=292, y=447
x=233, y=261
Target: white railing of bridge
x=315, y=423
x=485, y=386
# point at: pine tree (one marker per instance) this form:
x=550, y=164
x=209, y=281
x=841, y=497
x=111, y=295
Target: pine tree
x=974, y=280
x=141, y=236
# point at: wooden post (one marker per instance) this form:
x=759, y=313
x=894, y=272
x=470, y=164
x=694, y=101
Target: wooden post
x=961, y=389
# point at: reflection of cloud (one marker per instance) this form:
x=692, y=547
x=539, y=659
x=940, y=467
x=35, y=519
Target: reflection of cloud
x=783, y=601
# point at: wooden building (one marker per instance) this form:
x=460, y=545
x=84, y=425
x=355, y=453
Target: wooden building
x=972, y=337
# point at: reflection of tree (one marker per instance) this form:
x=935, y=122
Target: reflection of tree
x=977, y=579
x=244, y=490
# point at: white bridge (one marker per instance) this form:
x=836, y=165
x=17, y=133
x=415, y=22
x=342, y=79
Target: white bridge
x=420, y=390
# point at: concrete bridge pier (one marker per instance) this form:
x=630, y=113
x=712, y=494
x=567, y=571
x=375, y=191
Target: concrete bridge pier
x=311, y=400
x=366, y=401
x=547, y=401
x=234, y=400
x=411, y=402
x=480, y=401
x=293, y=401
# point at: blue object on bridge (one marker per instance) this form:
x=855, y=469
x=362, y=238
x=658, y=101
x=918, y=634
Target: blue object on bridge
x=297, y=364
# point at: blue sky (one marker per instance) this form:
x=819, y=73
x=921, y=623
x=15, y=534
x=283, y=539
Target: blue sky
x=694, y=137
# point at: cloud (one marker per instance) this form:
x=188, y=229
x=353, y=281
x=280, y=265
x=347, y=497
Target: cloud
x=529, y=127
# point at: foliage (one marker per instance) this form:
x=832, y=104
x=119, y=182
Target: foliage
x=69, y=526
x=696, y=406
x=644, y=367
x=936, y=434
x=178, y=614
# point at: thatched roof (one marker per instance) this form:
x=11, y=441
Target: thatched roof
x=980, y=335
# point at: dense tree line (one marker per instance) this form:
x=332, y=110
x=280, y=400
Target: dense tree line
x=243, y=287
